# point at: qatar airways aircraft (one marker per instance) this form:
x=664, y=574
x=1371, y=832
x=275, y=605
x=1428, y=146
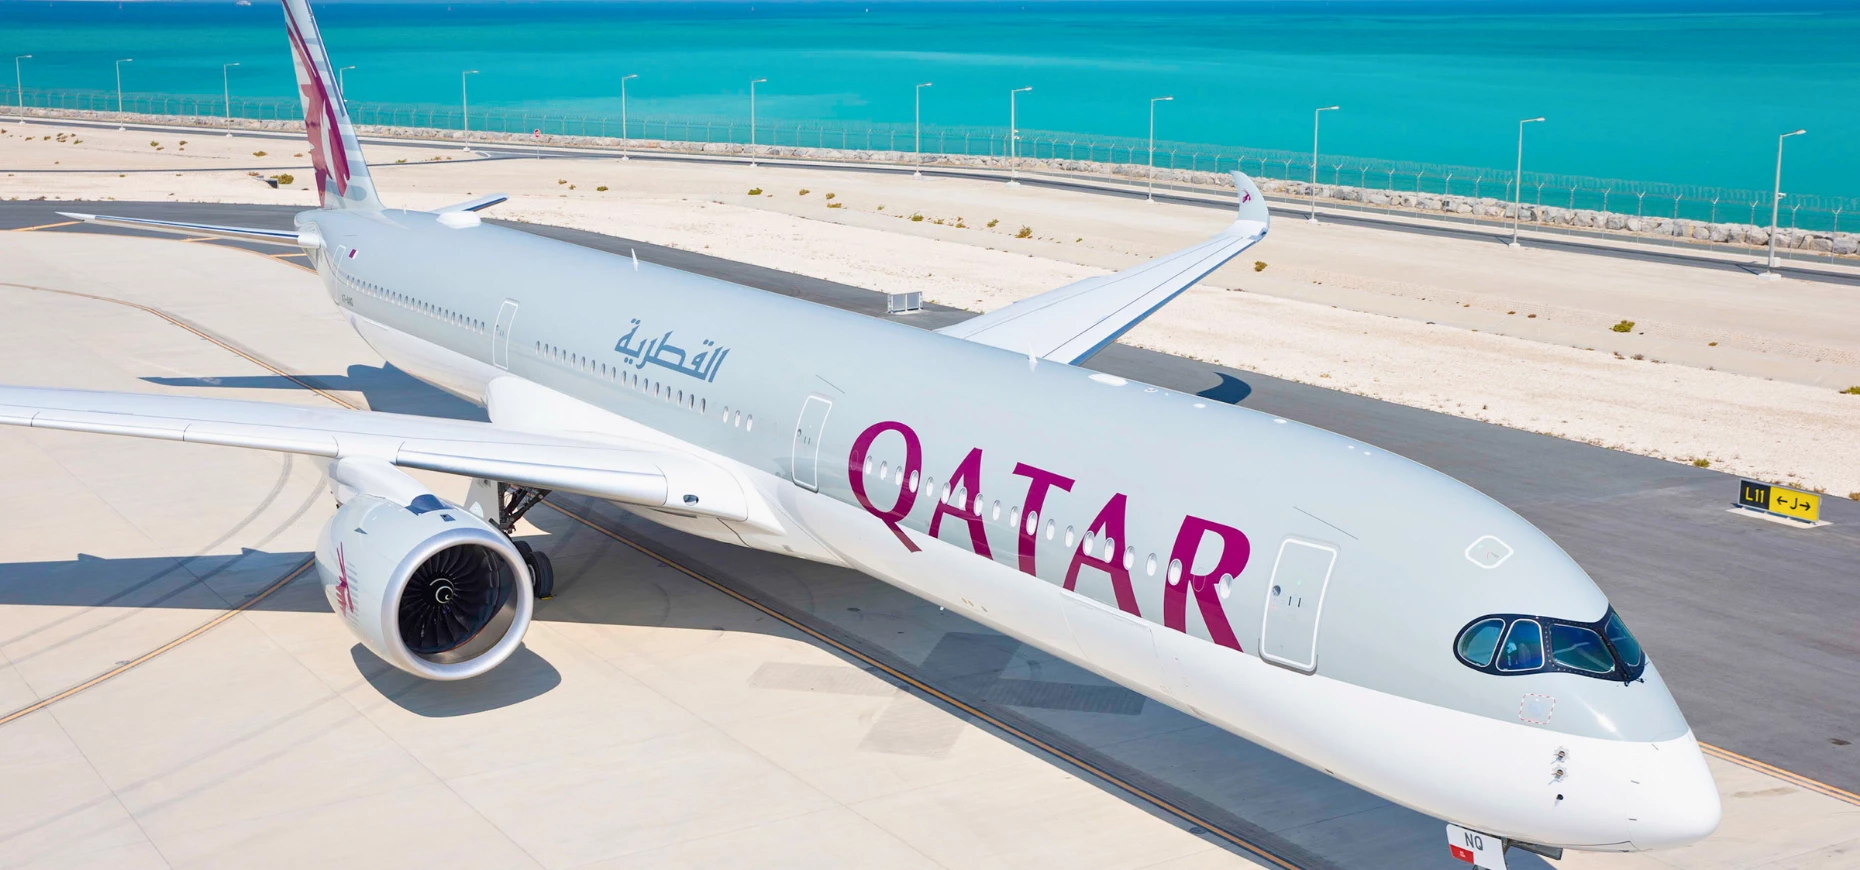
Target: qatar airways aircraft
x=1346, y=607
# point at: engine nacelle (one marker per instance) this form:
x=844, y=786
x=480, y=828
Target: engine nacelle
x=427, y=586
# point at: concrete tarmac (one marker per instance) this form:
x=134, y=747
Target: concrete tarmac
x=604, y=592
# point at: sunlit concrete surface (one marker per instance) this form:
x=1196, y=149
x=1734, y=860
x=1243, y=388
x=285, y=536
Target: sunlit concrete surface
x=651, y=720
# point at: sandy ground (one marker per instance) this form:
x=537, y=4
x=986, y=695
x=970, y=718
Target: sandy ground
x=1742, y=374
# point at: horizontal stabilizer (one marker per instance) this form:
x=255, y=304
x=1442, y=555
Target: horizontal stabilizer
x=479, y=204
x=243, y=234
x=1075, y=321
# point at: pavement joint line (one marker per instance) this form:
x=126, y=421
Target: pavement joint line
x=45, y=226
x=121, y=669
x=1715, y=751
x=905, y=677
x=1795, y=779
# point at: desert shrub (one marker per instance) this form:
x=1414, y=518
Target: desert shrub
x=805, y=191
x=829, y=196
x=1259, y=265
x=835, y=205
x=601, y=188
x=286, y=178
x=258, y=154
x=755, y=191
x=993, y=222
x=1530, y=317
x=1640, y=356
x=1025, y=233
x=561, y=181
x=1702, y=462
x=1851, y=391
x=916, y=218
x=1623, y=326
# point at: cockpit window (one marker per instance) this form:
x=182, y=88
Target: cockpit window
x=1524, y=647
x=1603, y=649
x=1624, y=643
x=1479, y=641
x=1580, y=648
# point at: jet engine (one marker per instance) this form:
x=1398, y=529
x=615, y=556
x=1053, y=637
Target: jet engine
x=427, y=586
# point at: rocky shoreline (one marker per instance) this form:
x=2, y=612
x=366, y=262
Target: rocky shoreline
x=1704, y=233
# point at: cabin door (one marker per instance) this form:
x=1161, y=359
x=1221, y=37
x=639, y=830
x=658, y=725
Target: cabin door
x=807, y=432
x=500, y=334
x=1295, y=600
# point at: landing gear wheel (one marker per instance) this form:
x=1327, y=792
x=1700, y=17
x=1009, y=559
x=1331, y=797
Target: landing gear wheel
x=542, y=572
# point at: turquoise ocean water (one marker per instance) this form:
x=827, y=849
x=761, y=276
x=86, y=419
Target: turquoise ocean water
x=1682, y=92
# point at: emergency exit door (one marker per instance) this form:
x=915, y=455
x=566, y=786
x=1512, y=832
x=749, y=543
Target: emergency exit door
x=1295, y=600
x=500, y=334
x=807, y=432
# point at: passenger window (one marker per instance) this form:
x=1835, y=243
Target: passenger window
x=1130, y=556
x=1014, y=517
x=1576, y=647
x=1524, y=647
x=1175, y=571
x=1049, y=528
x=1625, y=645
x=1149, y=567
x=1085, y=545
x=1480, y=641
x=749, y=425
x=913, y=485
x=1033, y=522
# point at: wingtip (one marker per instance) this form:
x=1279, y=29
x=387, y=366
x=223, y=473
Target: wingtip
x=1252, y=203
x=77, y=217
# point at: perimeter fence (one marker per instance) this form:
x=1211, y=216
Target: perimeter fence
x=1618, y=196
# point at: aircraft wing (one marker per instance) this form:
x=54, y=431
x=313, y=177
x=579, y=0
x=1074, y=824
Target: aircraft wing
x=1075, y=321
x=243, y=234
x=630, y=472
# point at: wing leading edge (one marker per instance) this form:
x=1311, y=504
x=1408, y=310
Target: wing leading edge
x=1075, y=321
x=633, y=473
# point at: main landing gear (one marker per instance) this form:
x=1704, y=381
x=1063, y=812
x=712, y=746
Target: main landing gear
x=512, y=503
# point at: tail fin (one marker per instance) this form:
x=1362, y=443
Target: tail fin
x=341, y=174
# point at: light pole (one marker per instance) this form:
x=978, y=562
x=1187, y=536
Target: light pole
x=119, y=89
x=1014, y=134
x=1517, y=183
x=1153, y=102
x=226, y=90
x=19, y=86
x=342, y=88
x=1314, y=155
x=464, y=106
x=1775, y=206
x=917, y=137
x=623, y=81
x=752, y=119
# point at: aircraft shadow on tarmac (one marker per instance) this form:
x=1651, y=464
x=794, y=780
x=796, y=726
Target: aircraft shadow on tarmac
x=385, y=387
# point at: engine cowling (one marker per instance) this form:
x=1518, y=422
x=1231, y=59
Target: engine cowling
x=425, y=585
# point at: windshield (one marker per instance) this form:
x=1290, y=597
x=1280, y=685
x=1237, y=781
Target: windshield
x=1577, y=647
x=1524, y=647
x=1514, y=643
x=1625, y=645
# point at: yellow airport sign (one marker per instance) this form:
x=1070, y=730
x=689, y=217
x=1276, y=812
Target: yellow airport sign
x=1780, y=500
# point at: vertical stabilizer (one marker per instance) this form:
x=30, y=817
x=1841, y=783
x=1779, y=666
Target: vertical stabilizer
x=340, y=173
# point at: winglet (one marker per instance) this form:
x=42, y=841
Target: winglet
x=1252, y=202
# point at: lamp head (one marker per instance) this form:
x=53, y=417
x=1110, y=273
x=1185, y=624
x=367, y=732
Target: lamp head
x=1330, y=108
x=924, y=85
x=1530, y=120
x=757, y=81
x=1796, y=133
x=23, y=57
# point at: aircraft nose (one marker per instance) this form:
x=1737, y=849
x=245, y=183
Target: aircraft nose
x=1676, y=799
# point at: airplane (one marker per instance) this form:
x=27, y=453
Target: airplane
x=1351, y=609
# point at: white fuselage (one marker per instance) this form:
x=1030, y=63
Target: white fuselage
x=1502, y=777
